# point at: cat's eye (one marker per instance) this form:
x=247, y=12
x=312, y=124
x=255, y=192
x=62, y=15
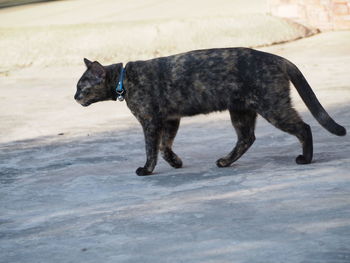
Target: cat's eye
x=86, y=92
x=97, y=81
x=80, y=87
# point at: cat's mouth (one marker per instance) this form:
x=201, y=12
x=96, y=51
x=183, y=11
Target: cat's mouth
x=89, y=102
x=84, y=104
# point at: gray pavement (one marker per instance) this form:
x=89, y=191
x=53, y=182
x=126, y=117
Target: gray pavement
x=78, y=199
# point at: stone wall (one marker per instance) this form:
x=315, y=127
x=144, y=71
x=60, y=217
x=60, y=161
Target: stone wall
x=322, y=14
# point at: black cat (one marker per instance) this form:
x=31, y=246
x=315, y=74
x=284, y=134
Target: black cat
x=244, y=81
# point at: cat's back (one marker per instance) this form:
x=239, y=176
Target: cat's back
x=217, y=60
x=203, y=57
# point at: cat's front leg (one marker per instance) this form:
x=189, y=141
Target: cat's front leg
x=152, y=131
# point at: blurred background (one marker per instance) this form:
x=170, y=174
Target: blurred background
x=62, y=32
x=43, y=44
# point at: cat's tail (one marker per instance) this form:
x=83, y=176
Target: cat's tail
x=311, y=101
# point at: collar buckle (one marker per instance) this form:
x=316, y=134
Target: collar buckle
x=120, y=95
x=120, y=89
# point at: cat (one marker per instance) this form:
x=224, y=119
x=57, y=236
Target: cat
x=244, y=81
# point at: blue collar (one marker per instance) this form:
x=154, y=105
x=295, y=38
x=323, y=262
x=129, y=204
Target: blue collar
x=120, y=89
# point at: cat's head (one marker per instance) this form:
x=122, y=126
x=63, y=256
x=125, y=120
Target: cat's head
x=92, y=86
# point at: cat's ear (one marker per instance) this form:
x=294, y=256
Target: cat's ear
x=87, y=62
x=98, y=70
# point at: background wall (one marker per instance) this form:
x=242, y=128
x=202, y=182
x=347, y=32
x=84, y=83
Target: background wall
x=322, y=14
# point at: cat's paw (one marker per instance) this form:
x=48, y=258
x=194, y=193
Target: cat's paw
x=222, y=162
x=302, y=160
x=176, y=163
x=141, y=171
x=172, y=158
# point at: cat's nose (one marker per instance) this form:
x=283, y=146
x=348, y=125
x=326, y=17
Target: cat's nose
x=76, y=96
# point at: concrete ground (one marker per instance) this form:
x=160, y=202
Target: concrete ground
x=80, y=201
x=69, y=193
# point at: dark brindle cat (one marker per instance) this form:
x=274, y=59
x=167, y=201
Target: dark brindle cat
x=244, y=81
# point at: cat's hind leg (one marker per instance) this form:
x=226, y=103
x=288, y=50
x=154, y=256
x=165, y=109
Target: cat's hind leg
x=288, y=120
x=244, y=124
x=170, y=128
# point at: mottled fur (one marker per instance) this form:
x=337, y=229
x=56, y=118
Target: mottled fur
x=244, y=81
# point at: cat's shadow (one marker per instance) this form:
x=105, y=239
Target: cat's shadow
x=273, y=165
x=236, y=174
